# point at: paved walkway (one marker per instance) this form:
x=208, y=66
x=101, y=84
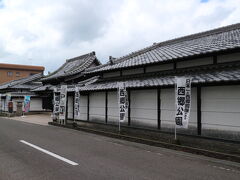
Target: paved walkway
x=41, y=119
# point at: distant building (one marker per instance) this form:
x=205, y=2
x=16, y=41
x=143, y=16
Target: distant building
x=17, y=89
x=9, y=72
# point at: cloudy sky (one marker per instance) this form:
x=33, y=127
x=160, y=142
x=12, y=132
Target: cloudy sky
x=47, y=32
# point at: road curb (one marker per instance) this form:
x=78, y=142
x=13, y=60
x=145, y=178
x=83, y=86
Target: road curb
x=193, y=150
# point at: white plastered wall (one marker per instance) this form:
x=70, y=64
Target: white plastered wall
x=83, y=107
x=35, y=104
x=221, y=108
x=70, y=107
x=144, y=108
x=97, y=106
x=113, y=111
x=168, y=108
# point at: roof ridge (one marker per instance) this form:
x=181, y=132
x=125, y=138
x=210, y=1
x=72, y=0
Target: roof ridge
x=83, y=64
x=179, y=39
x=96, y=67
x=68, y=60
x=82, y=56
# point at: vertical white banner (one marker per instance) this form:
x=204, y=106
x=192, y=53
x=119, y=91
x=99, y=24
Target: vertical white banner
x=183, y=101
x=122, y=101
x=56, y=103
x=63, y=101
x=77, y=104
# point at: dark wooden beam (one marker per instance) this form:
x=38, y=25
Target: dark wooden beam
x=215, y=59
x=129, y=107
x=174, y=65
x=159, y=108
x=199, y=111
x=106, y=107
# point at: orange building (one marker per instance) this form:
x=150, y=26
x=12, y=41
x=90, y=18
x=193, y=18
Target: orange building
x=9, y=72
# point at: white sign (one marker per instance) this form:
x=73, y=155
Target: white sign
x=56, y=104
x=183, y=101
x=122, y=101
x=77, y=104
x=63, y=101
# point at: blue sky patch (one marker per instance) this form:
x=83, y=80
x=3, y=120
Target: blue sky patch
x=204, y=1
x=1, y=4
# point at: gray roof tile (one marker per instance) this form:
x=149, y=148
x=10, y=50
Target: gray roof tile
x=73, y=66
x=204, y=77
x=23, y=83
x=202, y=43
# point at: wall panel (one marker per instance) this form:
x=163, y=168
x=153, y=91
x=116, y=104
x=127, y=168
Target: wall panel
x=144, y=108
x=97, y=106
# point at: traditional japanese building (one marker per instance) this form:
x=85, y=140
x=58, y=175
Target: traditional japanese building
x=69, y=73
x=211, y=59
x=17, y=89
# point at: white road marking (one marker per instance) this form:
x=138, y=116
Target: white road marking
x=226, y=169
x=49, y=153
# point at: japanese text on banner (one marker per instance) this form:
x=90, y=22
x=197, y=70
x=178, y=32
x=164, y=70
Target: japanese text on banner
x=183, y=101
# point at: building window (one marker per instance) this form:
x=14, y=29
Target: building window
x=17, y=74
x=9, y=73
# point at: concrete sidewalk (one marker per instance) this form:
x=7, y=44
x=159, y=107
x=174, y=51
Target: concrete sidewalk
x=41, y=119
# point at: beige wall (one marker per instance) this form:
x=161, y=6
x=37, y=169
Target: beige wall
x=23, y=73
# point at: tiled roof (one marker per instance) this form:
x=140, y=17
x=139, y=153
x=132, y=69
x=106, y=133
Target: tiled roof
x=73, y=66
x=220, y=39
x=204, y=77
x=23, y=83
x=19, y=94
x=43, y=88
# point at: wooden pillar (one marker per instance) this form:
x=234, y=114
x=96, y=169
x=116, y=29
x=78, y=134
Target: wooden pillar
x=88, y=107
x=199, y=111
x=129, y=107
x=159, y=108
x=106, y=107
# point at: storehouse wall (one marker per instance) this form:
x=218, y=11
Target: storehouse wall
x=97, y=106
x=35, y=104
x=83, y=107
x=144, y=108
x=113, y=111
x=221, y=110
x=70, y=107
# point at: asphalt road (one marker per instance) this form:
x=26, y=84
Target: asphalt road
x=98, y=157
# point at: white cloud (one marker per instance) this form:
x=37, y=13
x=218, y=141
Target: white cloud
x=48, y=32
